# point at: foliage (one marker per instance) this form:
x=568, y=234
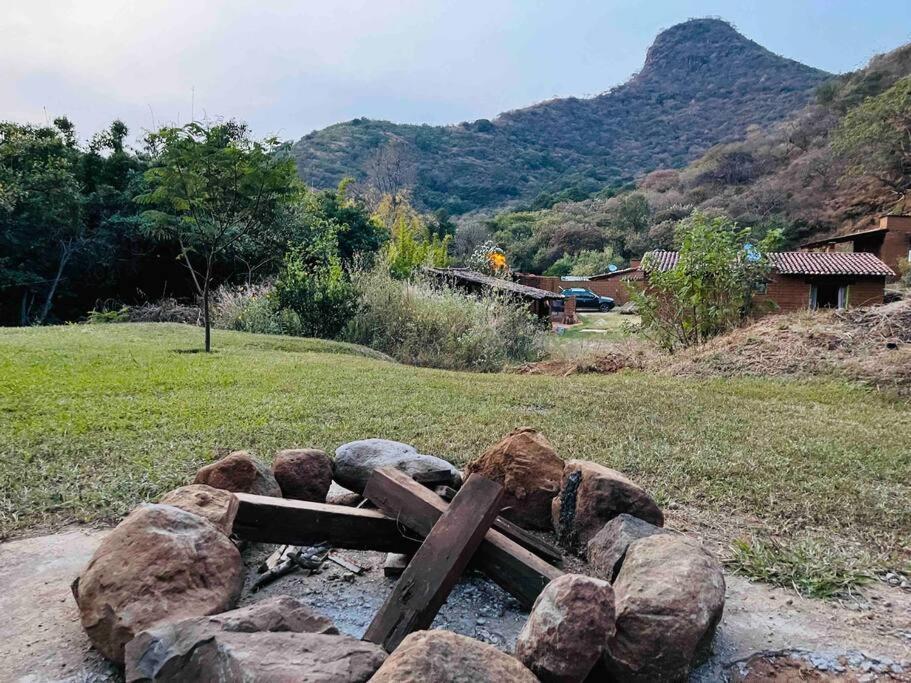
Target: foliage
x=875, y=137
x=420, y=322
x=211, y=186
x=711, y=288
x=317, y=290
x=586, y=262
x=811, y=568
x=412, y=244
x=567, y=149
x=489, y=259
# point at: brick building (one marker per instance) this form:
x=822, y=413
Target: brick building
x=890, y=242
x=810, y=279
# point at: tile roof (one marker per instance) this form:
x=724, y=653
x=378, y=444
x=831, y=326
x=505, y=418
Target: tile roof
x=795, y=263
x=844, y=238
x=466, y=275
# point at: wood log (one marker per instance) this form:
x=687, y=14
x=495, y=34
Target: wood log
x=524, y=538
x=295, y=522
x=433, y=478
x=514, y=568
x=437, y=564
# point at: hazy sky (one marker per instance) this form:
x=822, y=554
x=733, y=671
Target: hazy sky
x=289, y=67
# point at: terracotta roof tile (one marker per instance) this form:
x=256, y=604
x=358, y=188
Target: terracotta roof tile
x=795, y=263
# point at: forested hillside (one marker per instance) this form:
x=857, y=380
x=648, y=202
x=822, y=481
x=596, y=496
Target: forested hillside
x=702, y=83
x=832, y=166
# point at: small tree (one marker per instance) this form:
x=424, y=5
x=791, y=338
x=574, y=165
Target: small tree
x=212, y=186
x=710, y=290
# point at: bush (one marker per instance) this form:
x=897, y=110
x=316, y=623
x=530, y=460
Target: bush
x=424, y=323
x=253, y=308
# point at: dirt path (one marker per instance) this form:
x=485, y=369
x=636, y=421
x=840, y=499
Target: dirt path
x=41, y=640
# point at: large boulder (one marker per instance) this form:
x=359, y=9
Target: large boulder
x=216, y=505
x=445, y=657
x=201, y=648
x=669, y=598
x=568, y=629
x=355, y=462
x=529, y=470
x=160, y=563
x=188, y=654
x=239, y=472
x=590, y=496
x=606, y=550
x=303, y=474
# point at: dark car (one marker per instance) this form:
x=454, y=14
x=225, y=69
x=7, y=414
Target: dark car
x=586, y=298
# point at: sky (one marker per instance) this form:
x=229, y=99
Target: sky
x=288, y=68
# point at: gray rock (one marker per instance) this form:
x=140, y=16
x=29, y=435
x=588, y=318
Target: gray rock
x=606, y=550
x=355, y=462
x=275, y=639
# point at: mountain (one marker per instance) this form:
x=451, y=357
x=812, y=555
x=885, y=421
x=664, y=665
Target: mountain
x=702, y=83
x=797, y=174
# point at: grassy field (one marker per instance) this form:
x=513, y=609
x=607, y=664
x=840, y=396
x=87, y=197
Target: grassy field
x=600, y=327
x=94, y=419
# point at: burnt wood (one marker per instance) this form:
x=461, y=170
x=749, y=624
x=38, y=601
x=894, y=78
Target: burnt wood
x=542, y=549
x=434, y=478
x=514, y=568
x=437, y=564
x=295, y=522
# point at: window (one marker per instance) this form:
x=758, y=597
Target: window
x=827, y=295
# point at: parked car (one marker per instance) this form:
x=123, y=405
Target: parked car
x=586, y=298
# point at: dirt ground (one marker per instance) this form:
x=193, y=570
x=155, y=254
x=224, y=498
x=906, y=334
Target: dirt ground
x=865, y=640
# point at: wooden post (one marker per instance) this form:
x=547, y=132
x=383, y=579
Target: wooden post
x=515, y=569
x=437, y=564
x=295, y=522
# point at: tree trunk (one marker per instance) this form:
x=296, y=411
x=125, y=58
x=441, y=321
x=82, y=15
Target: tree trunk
x=205, y=315
x=64, y=257
x=23, y=309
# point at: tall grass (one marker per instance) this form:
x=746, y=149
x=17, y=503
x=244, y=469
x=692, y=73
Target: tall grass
x=425, y=323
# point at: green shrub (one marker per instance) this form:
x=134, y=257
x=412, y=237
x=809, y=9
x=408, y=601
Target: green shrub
x=253, y=309
x=121, y=315
x=420, y=322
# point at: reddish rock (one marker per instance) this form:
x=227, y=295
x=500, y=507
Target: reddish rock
x=529, y=470
x=161, y=563
x=445, y=657
x=187, y=654
x=669, y=598
x=606, y=550
x=590, y=496
x=241, y=473
x=216, y=505
x=303, y=474
x=169, y=651
x=568, y=629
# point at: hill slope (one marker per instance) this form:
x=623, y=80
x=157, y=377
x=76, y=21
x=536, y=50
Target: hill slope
x=702, y=83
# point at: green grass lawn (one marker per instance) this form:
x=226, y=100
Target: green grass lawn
x=600, y=327
x=96, y=418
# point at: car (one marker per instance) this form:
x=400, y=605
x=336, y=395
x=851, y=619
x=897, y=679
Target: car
x=586, y=298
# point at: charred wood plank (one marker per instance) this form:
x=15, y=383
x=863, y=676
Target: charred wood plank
x=437, y=564
x=514, y=568
x=295, y=522
x=526, y=539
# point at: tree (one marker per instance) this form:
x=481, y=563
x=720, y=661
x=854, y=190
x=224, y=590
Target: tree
x=411, y=245
x=211, y=186
x=875, y=138
x=710, y=290
x=41, y=211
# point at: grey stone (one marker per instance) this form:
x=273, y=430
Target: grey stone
x=355, y=462
x=606, y=550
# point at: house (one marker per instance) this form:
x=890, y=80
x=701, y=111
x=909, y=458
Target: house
x=612, y=284
x=539, y=300
x=890, y=242
x=809, y=279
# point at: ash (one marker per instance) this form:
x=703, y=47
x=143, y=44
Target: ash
x=476, y=607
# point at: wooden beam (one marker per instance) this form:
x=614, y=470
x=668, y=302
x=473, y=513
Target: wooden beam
x=281, y=520
x=524, y=538
x=514, y=568
x=437, y=564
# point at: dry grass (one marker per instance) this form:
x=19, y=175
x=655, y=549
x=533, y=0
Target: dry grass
x=872, y=345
